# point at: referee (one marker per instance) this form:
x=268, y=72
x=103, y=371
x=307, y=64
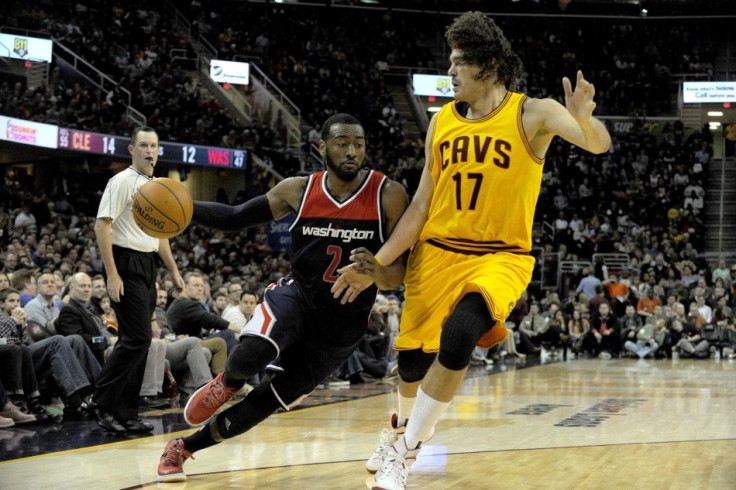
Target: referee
x=130, y=267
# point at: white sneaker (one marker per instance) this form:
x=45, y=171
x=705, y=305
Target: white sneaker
x=388, y=437
x=544, y=356
x=395, y=468
x=8, y=422
x=10, y=411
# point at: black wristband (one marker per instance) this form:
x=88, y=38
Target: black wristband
x=254, y=212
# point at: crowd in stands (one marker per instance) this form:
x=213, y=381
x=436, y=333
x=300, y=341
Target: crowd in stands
x=138, y=48
x=133, y=46
x=644, y=199
x=661, y=310
x=646, y=193
x=633, y=71
x=325, y=67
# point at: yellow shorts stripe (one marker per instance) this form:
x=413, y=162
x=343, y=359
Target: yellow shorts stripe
x=476, y=248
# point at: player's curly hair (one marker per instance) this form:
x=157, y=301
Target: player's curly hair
x=484, y=44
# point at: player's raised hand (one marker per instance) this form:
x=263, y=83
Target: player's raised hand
x=579, y=102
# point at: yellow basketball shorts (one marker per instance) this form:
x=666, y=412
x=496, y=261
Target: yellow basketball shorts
x=437, y=279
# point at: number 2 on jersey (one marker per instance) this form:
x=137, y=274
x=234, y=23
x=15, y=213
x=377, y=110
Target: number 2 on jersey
x=458, y=177
x=330, y=275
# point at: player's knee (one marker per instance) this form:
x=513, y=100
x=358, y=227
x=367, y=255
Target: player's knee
x=462, y=331
x=250, y=356
x=414, y=364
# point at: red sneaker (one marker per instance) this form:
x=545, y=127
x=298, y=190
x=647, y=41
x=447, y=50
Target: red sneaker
x=203, y=404
x=170, y=466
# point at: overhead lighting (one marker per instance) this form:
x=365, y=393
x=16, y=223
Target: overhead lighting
x=714, y=124
x=715, y=113
x=434, y=109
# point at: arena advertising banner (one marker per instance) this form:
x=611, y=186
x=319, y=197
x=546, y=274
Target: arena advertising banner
x=232, y=72
x=433, y=85
x=626, y=125
x=26, y=48
x=106, y=144
x=279, y=237
x=54, y=137
x=708, y=92
x=28, y=132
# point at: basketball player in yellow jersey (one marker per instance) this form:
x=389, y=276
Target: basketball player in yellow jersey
x=470, y=222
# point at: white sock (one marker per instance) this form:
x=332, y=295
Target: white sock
x=406, y=404
x=424, y=417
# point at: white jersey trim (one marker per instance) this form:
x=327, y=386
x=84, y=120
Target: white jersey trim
x=379, y=204
x=352, y=198
x=291, y=405
x=301, y=204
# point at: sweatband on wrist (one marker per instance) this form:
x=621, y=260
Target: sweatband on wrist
x=378, y=261
x=256, y=211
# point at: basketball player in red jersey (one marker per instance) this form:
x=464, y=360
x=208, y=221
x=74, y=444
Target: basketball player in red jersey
x=338, y=209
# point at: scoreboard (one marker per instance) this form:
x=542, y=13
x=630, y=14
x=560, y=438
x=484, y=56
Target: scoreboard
x=50, y=136
x=106, y=144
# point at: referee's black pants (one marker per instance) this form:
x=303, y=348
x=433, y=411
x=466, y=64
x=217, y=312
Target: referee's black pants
x=119, y=384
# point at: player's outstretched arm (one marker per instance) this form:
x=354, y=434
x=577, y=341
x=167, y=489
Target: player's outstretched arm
x=282, y=199
x=574, y=122
x=395, y=202
x=413, y=219
x=364, y=270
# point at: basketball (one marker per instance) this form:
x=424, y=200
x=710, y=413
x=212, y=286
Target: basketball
x=162, y=208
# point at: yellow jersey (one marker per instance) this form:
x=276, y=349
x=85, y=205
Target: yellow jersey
x=486, y=181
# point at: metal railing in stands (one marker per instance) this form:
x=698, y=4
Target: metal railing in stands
x=99, y=80
x=291, y=114
x=614, y=262
x=293, y=117
x=570, y=268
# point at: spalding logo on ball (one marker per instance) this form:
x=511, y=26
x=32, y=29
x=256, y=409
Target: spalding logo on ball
x=162, y=208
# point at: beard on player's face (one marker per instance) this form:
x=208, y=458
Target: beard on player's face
x=341, y=173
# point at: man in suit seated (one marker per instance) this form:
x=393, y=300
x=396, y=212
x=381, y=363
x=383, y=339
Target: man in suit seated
x=78, y=318
x=188, y=316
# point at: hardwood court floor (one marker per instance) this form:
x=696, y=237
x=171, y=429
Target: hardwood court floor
x=579, y=424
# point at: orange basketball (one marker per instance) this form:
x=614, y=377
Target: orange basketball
x=162, y=208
